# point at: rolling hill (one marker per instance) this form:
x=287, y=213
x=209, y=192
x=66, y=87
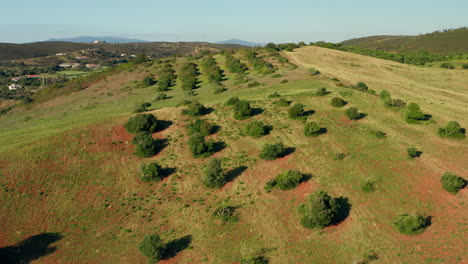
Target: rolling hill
x=453, y=41
x=9, y=51
x=72, y=193
x=90, y=39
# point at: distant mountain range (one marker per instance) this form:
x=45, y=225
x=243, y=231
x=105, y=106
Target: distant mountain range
x=240, y=42
x=89, y=39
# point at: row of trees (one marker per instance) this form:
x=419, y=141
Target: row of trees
x=259, y=64
x=188, y=76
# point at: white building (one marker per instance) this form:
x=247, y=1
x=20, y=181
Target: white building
x=14, y=86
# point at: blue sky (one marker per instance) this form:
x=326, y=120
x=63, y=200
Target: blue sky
x=214, y=20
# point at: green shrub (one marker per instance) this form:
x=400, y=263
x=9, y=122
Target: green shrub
x=152, y=247
x=339, y=156
x=338, y=102
x=195, y=109
x=395, y=103
x=276, y=75
x=219, y=90
x=313, y=71
x=200, y=148
x=320, y=210
x=151, y=172
x=379, y=134
x=385, y=96
x=361, y=87
x=213, y=174
x=411, y=224
x=253, y=84
x=353, y=113
x=141, y=107
x=465, y=65
x=141, y=123
x=255, y=260
x=146, y=146
x=255, y=129
x=226, y=213
x=232, y=101
x=272, y=151
x=447, y=65
x=312, y=129
x=242, y=110
x=413, y=113
x=148, y=81
x=296, y=111
x=452, y=183
x=160, y=96
x=321, y=92
x=413, y=153
x=284, y=81
x=282, y=102
x=274, y=95
x=368, y=187
x=452, y=130
x=285, y=181
x=200, y=126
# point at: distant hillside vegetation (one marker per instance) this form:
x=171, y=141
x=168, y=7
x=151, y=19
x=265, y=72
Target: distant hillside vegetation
x=455, y=40
x=89, y=39
x=9, y=51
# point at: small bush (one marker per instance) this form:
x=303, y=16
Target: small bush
x=219, y=90
x=447, y=65
x=142, y=123
x=276, y=75
x=255, y=129
x=232, y=101
x=284, y=81
x=160, y=97
x=395, y=103
x=368, y=187
x=413, y=153
x=320, y=210
x=385, y=96
x=312, y=129
x=274, y=95
x=152, y=247
x=200, y=126
x=339, y=156
x=353, y=113
x=452, y=130
x=321, y=92
x=272, y=151
x=379, y=134
x=282, y=102
x=411, y=224
x=213, y=174
x=465, y=65
x=226, y=213
x=200, y=148
x=338, y=102
x=255, y=260
x=285, y=181
x=148, y=81
x=151, y=172
x=146, y=146
x=361, y=87
x=195, y=109
x=452, y=183
x=242, y=110
x=413, y=113
x=313, y=71
x=296, y=111
x=253, y=84
x=141, y=107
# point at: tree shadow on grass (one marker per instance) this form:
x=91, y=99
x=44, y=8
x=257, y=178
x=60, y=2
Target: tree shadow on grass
x=176, y=246
x=218, y=146
x=323, y=130
x=257, y=111
x=166, y=172
x=306, y=177
x=308, y=113
x=234, y=173
x=268, y=129
x=163, y=125
x=215, y=129
x=288, y=151
x=29, y=249
x=161, y=144
x=345, y=208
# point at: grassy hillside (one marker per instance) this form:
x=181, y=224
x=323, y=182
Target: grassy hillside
x=454, y=41
x=68, y=173
x=9, y=51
